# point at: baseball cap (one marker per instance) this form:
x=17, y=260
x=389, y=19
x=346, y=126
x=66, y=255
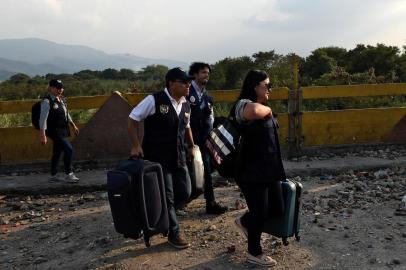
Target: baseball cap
x=177, y=74
x=56, y=83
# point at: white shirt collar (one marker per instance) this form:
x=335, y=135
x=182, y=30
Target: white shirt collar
x=199, y=90
x=181, y=100
x=53, y=97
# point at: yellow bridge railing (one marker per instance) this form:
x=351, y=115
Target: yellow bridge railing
x=355, y=126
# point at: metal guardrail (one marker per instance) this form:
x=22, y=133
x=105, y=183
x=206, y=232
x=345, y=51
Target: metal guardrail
x=92, y=102
x=298, y=128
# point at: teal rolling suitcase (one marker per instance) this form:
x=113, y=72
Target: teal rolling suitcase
x=288, y=224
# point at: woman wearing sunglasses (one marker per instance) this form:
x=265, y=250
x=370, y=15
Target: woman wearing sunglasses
x=262, y=168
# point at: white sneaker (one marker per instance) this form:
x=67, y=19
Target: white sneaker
x=71, y=178
x=261, y=260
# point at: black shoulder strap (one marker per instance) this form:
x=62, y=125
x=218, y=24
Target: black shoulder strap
x=233, y=119
x=47, y=96
x=64, y=102
x=186, y=106
x=231, y=115
x=209, y=98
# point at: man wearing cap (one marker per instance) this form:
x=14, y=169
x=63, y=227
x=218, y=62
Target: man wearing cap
x=201, y=122
x=54, y=123
x=166, y=116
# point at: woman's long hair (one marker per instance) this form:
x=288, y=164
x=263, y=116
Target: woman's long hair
x=252, y=79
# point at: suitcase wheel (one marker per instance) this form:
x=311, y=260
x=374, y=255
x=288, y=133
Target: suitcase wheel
x=285, y=241
x=297, y=237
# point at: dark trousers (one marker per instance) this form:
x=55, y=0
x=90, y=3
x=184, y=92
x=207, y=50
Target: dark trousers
x=208, y=180
x=60, y=145
x=258, y=198
x=178, y=189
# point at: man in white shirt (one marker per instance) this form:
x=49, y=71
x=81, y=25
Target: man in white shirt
x=166, y=116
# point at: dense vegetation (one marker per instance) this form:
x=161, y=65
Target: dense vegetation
x=324, y=66
x=365, y=64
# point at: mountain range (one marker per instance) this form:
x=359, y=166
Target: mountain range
x=33, y=56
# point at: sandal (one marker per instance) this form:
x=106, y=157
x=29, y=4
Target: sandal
x=263, y=260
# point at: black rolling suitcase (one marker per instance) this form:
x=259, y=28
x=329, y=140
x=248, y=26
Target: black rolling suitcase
x=137, y=199
x=288, y=224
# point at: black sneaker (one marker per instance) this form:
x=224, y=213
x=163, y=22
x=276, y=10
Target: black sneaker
x=216, y=209
x=178, y=242
x=55, y=178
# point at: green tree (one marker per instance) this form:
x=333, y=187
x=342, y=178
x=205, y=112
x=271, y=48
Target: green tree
x=401, y=66
x=87, y=74
x=217, y=77
x=126, y=74
x=110, y=74
x=281, y=72
x=19, y=78
x=318, y=63
x=265, y=60
x=380, y=57
x=152, y=72
x=231, y=72
x=37, y=80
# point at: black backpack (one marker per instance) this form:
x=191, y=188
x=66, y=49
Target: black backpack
x=36, y=112
x=224, y=145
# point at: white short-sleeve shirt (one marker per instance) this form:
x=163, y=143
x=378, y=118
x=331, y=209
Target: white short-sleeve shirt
x=147, y=107
x=239, y=110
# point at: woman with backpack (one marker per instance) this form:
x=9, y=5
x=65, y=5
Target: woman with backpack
x=261, y=164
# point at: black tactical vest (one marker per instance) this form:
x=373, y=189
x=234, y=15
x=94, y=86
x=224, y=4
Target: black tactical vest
x=164, y=133
x=261, y=155
x=200, y=120
x=57, y=121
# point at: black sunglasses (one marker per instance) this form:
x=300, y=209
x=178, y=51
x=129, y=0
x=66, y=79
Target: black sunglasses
x=268, y=86
x=183, y=81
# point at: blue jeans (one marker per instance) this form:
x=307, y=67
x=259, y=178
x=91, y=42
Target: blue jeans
x=60, y=145
x=178, y=189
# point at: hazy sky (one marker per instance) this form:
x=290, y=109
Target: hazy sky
x=210, y=30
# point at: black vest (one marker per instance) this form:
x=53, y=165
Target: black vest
x=164, y=133
x=57, y=121
x=200, y=120
x=261, y=153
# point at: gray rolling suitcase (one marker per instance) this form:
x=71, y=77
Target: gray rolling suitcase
x=287, y=224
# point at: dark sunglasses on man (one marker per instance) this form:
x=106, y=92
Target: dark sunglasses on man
x=183, y=81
